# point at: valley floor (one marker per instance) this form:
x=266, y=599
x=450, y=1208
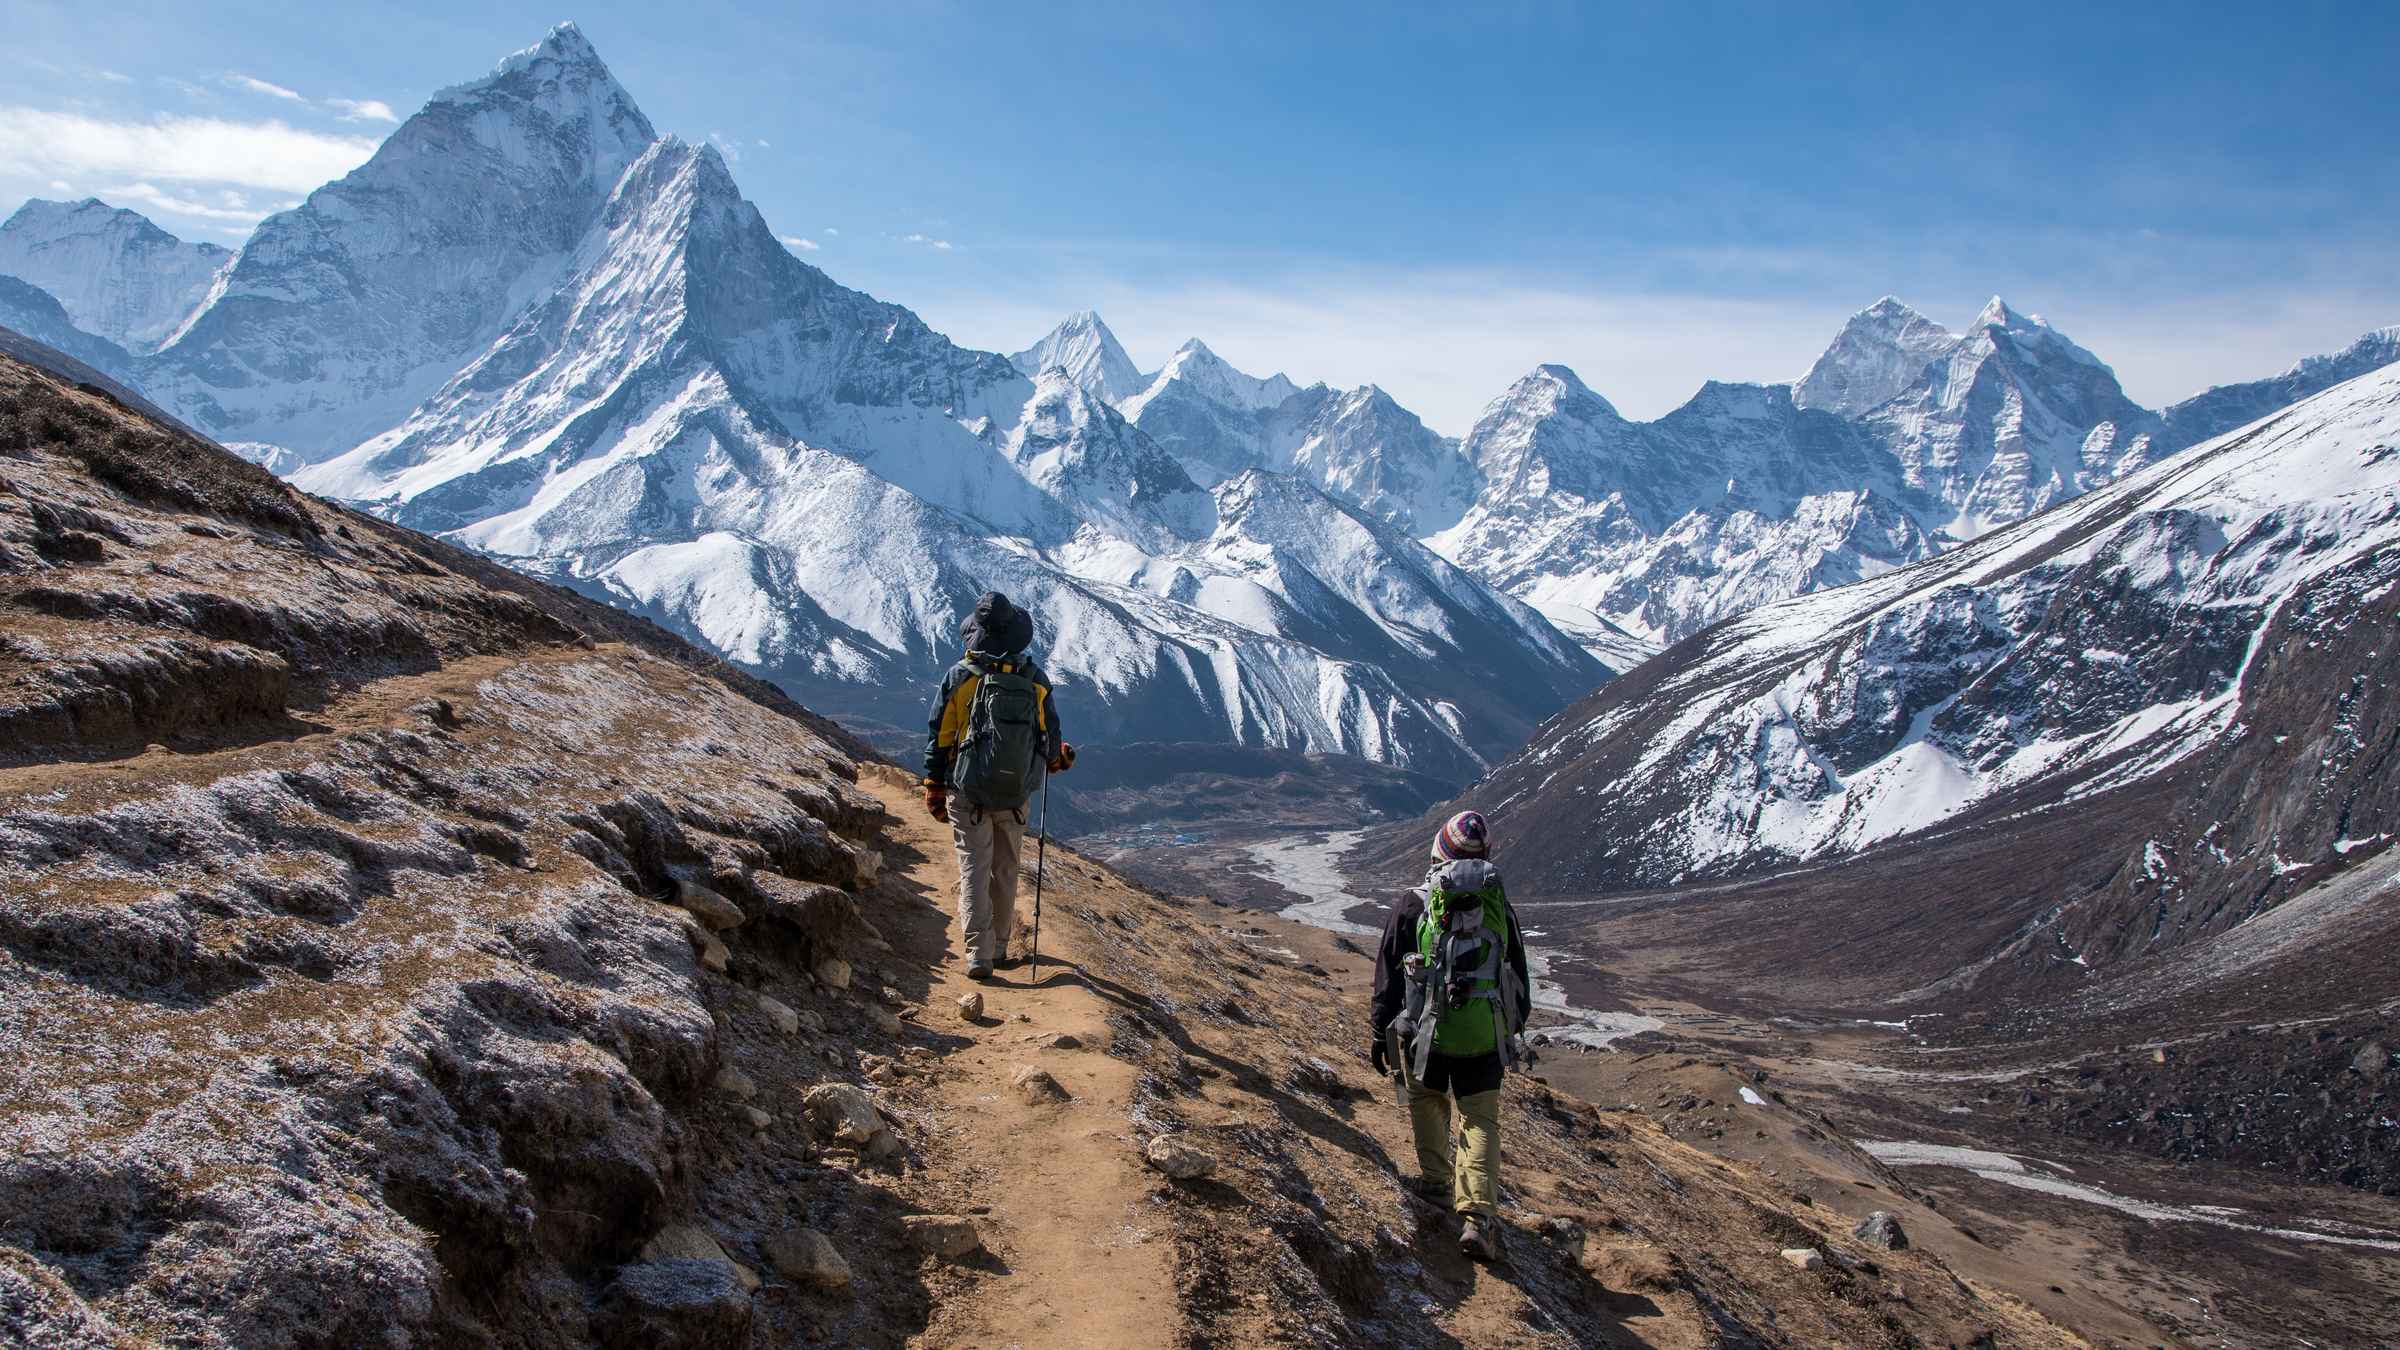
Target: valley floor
x=2126, y=1250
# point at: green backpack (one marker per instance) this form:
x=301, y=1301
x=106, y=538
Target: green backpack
x=1466, y=998
x=999, y=760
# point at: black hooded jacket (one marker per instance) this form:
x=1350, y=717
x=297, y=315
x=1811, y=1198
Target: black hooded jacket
x=996, y=636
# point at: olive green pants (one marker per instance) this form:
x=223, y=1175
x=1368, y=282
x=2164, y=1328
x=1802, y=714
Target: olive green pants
x=1469, y=1160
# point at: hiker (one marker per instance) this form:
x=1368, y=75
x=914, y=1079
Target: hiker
x=1451, y=998
x=993, y=734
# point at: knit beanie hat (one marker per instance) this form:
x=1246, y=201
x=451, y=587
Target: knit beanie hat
x=1462, y=836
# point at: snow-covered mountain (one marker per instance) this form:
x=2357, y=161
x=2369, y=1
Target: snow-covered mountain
x=1083, y=347
x=1901, y=441
x=1207, y=414
x=2213, y=621
x=117, y=275
x=32, y=312
x=338, y=317
x=1877, y=356
x=671, y=410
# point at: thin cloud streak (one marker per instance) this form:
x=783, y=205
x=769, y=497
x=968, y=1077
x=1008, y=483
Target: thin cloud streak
x=273, y=154
x=258, y=86
x=363, y=109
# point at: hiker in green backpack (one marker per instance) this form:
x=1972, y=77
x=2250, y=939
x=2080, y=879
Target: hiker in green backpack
x=993, y=735
x=1451, y=998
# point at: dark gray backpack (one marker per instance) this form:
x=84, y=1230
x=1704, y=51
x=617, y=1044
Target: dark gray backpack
x=999, y=760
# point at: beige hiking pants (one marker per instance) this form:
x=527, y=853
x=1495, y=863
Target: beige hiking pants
x=1470, y=1161
x=989, y=844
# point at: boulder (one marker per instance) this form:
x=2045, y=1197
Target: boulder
x=948, y=1236
x=1803, y=1258
x=1883, y=1230
x=1037, y=1084
x=758, y=1119
x=2373, y=1059
x=713, y=954
x=1065, y=1040
x=785, y=1019
x=845, y=1112
x=809, y=1259
x=683, y=1242
x=675, y=1305
x=884, y=1020
x=736, y=1084
x=1178, y=1157
x=834, y=973
x=706, y=905
x=970, y=1005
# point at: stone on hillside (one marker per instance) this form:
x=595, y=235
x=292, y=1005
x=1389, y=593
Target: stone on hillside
x=809, y=1259
x=948, y=1236
x=834, y=973
x=870, y=866
x=845, y=1112
x=785, y=1019
x=706, y=905
x=1065, y=1040
x=812, y=1021
x=970, y=1006
x=1882, y=1229
x=758, y=1119
x=1178, y=1157
x=683, y=1242
x=1037, y=1085
x=883, y=1145
x=884, y=1020
x=713, y=954
x=1803, y=1258
x=736, y=1084
x=2372, y=1059
x=747, y=1277
x=676, y=1305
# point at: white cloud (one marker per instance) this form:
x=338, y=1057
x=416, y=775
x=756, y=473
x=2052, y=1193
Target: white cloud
x=731, y=150
x=61, y=185
x=235, y=213
x=114, y=76
x=258, y=86
x=927, y=240
x=271, y=154
x=830, y=230
x=363, y=109
x=185, y=87
x=804, y=245
x=763, y=145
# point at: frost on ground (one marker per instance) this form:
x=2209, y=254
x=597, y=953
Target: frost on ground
x=333, y=882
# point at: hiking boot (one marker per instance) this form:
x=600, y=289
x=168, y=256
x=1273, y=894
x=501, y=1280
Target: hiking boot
x=1477, y=1240
x=979, y=970
x=1427, y=1191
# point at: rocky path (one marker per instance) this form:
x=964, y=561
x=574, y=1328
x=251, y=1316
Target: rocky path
x=1077, y=1259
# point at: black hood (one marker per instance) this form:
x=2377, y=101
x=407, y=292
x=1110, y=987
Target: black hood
x=997, y=628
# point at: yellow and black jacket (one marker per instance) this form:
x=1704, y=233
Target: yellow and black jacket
x=948, y=724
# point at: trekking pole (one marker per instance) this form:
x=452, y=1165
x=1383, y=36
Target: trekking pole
x=1041, y=855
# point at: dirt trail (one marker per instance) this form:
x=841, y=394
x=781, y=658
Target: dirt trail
x=1079, y=1265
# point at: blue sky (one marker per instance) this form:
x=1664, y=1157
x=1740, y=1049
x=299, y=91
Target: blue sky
x=1431, y=199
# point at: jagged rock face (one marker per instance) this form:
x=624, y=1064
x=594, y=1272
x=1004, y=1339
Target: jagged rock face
x=32, y=312
x=1083, y=347
x=342, y=314
x=2014, y=420
x=1632, y=535
x=1367, y=450
x=1207, y=414
x=117, y=275
x=343, y=1010
x=1882, y=351
x=2144, y=632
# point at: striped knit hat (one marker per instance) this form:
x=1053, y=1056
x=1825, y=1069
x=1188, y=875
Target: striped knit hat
x=1462, y=836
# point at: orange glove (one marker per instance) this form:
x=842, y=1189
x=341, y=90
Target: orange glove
x=937, y=801
x=1064, y=759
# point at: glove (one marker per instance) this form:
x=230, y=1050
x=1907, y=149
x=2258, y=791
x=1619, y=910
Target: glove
x=1064, y=759
x=937, y=802
x=1378, y=1056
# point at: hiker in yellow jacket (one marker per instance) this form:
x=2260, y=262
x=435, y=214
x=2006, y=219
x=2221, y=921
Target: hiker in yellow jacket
x=994, y=732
